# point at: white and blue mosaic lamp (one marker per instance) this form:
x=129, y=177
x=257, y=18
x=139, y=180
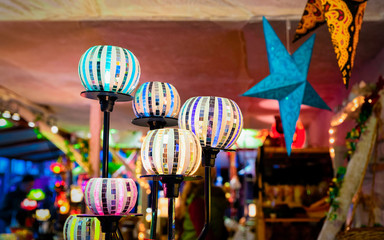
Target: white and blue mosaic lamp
x=217, y=123
x=109, y=69
x=173, y=155
x=156, y=104
x=171, y=151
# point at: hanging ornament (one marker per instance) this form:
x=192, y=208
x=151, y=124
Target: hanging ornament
x=287, y=81
x=344, y=19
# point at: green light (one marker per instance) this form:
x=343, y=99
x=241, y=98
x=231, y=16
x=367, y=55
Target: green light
x=36, y=194
x=4, y=123
x=249, y=138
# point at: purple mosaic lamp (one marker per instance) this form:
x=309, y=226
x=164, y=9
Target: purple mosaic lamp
x=217, y=123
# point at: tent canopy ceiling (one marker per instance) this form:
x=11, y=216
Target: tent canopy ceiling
x=203, y=48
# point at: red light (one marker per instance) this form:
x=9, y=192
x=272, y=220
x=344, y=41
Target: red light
x=57, y=168
x=28, y=205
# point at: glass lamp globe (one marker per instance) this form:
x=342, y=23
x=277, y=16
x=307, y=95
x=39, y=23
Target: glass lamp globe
x=171, y=151
x=216, y=121
x=156, y=99
x=82, y=228
x=110, y=196
x=109, y=69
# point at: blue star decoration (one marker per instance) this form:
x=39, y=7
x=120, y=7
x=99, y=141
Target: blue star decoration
x=287, y=81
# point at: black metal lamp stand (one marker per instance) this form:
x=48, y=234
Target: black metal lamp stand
x=171, y=185
x=154, y=123
x=109, y=223
x=208, y=161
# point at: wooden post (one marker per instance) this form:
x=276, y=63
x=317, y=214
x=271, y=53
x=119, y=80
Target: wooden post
x=94, y=141
x=353, y=176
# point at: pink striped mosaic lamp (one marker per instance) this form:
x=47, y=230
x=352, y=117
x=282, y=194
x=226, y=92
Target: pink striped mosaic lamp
x=110, y=196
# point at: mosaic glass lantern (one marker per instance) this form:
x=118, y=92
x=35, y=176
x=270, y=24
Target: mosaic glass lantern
x=82, y=228
x=171, y=151
x=216, y=121
x=156, y=99
x=110, y=196
x=109, y=69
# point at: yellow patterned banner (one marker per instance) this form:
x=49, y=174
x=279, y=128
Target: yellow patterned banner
x=344, y=19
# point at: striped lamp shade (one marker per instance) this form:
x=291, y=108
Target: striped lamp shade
x=110, y=196
x=171, y=151
x=82, y=228
x=156, y=99
x=216, y=121
x=109, y=69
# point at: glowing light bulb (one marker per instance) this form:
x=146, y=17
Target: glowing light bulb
x=31, y=124
x=331, y=131
x=54, y=129
x=6, y=114
x=331, y=140
x=252, y=210
x=3, y=122
x=16, y=116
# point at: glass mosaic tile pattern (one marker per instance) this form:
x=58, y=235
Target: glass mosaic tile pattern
x=156, y=99
x=82, y=228
x=110, y=196
x=110, y=69
x=216, y=121
x=171, y=151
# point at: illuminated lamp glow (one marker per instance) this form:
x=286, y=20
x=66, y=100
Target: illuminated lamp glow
x=77, y=194
x=43, y=214
x=31, y=124
x=36, y=194
x=156, y=99
x=252, y=210
x=217, y=122
x=110, y=196
x=177, y=148
x=28, y=204
x=109, y=69
x=57, y=168
x=54, y=129
x=76, y=228
x=6, y=114
x=16, y=117
x=4, y=123
x=64, y=208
